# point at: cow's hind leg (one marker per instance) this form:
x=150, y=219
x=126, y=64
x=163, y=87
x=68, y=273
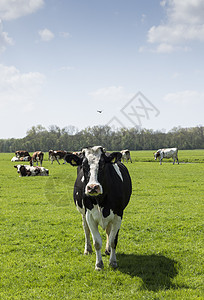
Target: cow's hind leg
x=108, y=249
x=88, y=247
x=113, y=239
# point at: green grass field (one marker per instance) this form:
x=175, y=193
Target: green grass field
x=160, y=247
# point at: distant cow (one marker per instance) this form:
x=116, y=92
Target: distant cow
x=101, y=192
x=37, y=157
x=126, y=155
x=21, y=153
x=56, y=155
x=26, y=170
x=167, y=153
x=26, y=158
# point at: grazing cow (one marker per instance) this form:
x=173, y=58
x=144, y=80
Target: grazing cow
x=21, y=153
x=37, y=157
x=126, y=155
x=167, y=153
x=56, y=155
x=31, y=171
x=101, y=192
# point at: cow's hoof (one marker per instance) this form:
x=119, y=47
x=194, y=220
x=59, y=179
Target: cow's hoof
x=99, y=266
x=113, y=264
x=88, y=251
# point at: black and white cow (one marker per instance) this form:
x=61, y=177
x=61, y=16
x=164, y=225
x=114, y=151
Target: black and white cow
x=26, y=170
x=126, y=155
x=167, y=153
x=101, y=192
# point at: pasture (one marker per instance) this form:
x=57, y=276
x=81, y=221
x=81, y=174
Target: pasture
x=160, y=247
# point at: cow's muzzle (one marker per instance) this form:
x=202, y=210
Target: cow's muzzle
x=93, y=189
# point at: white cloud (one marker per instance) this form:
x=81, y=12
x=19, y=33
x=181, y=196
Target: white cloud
x=5, y=40
x=187, y=97
x=185, y=23
x=19, y=90
x=10, y=9
x=46, y=35
x=175, y=34
x=185, y=12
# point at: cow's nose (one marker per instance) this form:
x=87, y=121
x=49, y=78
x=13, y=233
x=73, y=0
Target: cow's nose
x=93, y=189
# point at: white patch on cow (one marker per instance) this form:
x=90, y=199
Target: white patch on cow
x=98, y=217
x=82, y=179
x=15, y=158
x=18, y=168
x=118, y=171
x=81, y=210
x=93, y=156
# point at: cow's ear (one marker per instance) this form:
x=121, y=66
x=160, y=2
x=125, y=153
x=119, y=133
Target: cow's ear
x=15, y=166
x=114, y=157
x=73, y=159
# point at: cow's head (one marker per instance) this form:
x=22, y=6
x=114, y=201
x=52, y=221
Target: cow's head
x=21, y=170
x=156, y=154
x=93, y=161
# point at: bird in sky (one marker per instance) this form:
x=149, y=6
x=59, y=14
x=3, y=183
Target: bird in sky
x=99, y=111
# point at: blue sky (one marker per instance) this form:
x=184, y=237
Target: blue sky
x=62, y=60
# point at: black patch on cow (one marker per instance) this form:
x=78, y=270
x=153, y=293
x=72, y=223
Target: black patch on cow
x=106, y=212
x=23, y=171
x=28, y=172
x=37, y=170
x=89, y=202
x=116, y=239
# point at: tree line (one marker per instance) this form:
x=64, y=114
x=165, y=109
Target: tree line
x=71, y=139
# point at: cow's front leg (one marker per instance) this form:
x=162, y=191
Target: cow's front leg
x=97, y=241
x=88, y=247
x=113, y=239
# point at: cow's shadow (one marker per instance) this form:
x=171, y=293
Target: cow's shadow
x=156, y=271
